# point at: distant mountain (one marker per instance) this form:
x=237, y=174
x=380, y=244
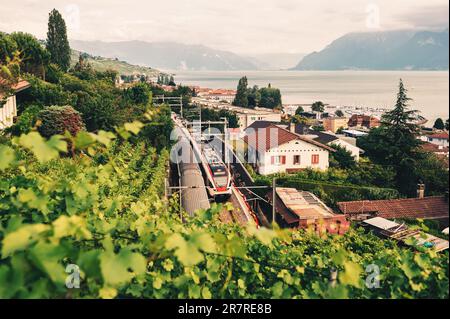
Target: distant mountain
x=390, y=50
x=167, y=55
x=277, y=61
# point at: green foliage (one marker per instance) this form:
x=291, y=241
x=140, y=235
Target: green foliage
x=394, y=144
x=139, y=94
x=318, y=107
x=104, y=211
x=439, y=124
x=342, y=158
x=57, y=43
x=241, y=98
x=33, y=54
x=58, y=120
x=7, y=47
x=26, y=121
x=9, y=73
x=332, y=193
x=254, y=97
x=299, y=110
x=339, y=113
x=270, y=98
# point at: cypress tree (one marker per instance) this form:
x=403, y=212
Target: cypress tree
x=241, y=98
x=57, y=43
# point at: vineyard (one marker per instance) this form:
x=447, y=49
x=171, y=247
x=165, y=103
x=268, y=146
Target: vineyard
x=102, y=212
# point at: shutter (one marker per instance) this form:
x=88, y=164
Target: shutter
x=283, y=160
x=272, y=160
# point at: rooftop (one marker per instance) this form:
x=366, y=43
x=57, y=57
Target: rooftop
x=442, y=135
x=303, y=204
x=432, y=207
x=273, y=136
x=20, y=86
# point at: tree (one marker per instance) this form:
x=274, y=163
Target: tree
x=318, y=107
x=172, y=81
x=241, y=98
x=299, y=111
x=9, y=75
x=339, y=113
x=58, y=120
x=439, y=124
x=270, y=98
x=254, y=97
x=57, y=43
x=343, y=157
x=7, y=47
x=447, y=124
x=394, y=143
x=34, y=56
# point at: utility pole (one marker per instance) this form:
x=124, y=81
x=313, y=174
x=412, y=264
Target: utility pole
x=274, y=198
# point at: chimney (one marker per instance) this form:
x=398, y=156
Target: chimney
x=420, y=190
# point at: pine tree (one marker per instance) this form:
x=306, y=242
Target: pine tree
x=395, y=143
x=57, y=43
x=400, y=119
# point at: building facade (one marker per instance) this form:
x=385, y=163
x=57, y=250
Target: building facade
x=8, y=109
x=272, y=149
x=333, y=124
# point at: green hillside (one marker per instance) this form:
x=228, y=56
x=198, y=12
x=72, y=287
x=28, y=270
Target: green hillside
x=124, y=68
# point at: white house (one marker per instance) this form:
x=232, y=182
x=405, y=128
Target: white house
x=330, y=139
x=8, y=107
x=440, y=139
x=272, y=149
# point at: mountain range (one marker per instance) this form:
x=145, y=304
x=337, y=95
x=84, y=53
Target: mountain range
x=389, y=50
x=167, y=55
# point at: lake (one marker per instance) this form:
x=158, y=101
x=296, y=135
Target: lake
x=428, y=89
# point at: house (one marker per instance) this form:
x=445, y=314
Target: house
x=248, y=116
x=431, y=207
x=303, y=210
x=367, y=121
x=272, y=149
x=329, y=139
x=8, y=107
x=441, y=152
x=333, y=124
x=404, y=235
x=440, y=139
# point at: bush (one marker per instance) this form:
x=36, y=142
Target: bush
x=26, y=121
x=58, y=119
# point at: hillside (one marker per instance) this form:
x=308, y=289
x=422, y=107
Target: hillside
x=122, y=67
x=167, y=55
x=392, y=50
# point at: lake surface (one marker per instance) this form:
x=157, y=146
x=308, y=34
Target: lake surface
x=429, y=90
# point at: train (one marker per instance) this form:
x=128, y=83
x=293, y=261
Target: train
x=218, y=179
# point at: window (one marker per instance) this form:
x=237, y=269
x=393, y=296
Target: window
x=278, y=160
x=315, y=159
x=296, y=159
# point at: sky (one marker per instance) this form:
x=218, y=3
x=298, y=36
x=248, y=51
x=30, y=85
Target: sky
x=241, y=26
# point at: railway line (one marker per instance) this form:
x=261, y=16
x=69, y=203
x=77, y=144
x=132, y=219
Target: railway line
x=204, y=178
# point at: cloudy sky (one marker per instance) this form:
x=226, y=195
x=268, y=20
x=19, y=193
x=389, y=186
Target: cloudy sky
x=242, y=26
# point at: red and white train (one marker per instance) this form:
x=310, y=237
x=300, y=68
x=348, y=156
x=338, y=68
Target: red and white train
x=217, y=175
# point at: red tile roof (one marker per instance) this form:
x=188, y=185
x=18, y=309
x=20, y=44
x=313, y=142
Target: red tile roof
x=21, y=85
x=443, y=135
x=432, y=207
x=430, y=147
x=272, y=136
